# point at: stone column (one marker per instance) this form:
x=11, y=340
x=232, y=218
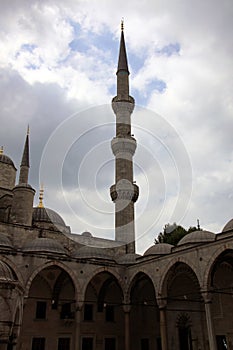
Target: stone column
x=209, y=321
x=126, y=309
x=163, y=323
x=78, y=315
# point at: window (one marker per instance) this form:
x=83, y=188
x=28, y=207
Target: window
x=66, y=311
x=109, y=313
x=63, y=344
x=87, y=344
x=88, y=312
x=41, y=310
x=221, y=342
x=110, y=344
x=38, y=344
x=144, y=344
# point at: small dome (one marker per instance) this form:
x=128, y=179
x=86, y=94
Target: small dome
x=87, y=234
x=228, y=226
x=197, y=237
x=5, y=242
x=47, y=215
x=6, y=160
x=93, y=253
x=44, y=245
x=127, y=258
x=6, y=274
x=159, y=249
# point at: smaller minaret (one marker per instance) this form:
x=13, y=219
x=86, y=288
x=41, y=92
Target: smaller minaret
x=23, y=193
x=24, y=167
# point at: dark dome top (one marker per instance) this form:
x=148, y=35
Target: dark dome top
x=47, y=245
x=6, y=160
x=87, y=234
x=6, y=274
x=197, y=237
x=159, y=249
x=47, y=215
x=4, y=241
x=228, y=226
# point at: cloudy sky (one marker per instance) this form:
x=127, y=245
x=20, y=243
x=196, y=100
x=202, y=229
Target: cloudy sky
x=57, y=73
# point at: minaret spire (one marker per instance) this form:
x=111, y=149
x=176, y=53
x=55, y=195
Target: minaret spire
x=124, y=192
x=24, y=167
x=122, y=61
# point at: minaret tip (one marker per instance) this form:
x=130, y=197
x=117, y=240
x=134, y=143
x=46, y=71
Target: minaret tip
x=122, y=24
x=28, y=130
x=41, y=197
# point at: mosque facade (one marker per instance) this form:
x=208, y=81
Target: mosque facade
x=66, y=291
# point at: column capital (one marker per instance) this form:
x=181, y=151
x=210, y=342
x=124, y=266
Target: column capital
x=162, y=303
x=207, y=296
x=126, y=308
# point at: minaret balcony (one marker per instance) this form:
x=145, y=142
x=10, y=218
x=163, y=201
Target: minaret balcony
x=124, y=190
x=123, y=146
x=122, y=106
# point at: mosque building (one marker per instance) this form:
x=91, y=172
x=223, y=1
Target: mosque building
x=65, y=291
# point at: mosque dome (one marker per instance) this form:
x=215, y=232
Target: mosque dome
x=44, y=245
x=159, y=249
x=5, y=242
x=90, y=252
x=228, y=226
x=6, y=274
x=87, y=234
x=6, y=160
x=196, y=237
x=127, y=258
x=46, y=215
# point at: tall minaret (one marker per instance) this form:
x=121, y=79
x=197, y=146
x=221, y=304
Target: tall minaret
x=124, y=192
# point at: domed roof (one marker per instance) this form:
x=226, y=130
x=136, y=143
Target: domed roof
x=6, y=274
x=6, y=160
x=44, y=245
x=228, y=226
x=87, y=234
x=47, y=215
x=197, y=237
x=127, y=258
x=93, y=253
x=5, y=242
x=159, y=249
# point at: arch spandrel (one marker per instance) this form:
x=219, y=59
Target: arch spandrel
x=62, y=266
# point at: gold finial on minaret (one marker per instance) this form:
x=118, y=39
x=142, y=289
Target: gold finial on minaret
x=1, y=150
x=41, y=197
x=122, y=24
x=28, y=130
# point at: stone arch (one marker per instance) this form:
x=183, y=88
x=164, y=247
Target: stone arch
x=50, y=264
x=14, y=268
x=144, y=312
x=132, y=279
x=103, y=305
x=97, y=271
x=165, y=272
x=184, y=304
x=213, y=258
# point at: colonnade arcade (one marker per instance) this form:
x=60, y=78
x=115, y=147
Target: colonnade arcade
x=181, y=309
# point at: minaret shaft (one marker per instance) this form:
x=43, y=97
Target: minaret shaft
x=124, y=192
